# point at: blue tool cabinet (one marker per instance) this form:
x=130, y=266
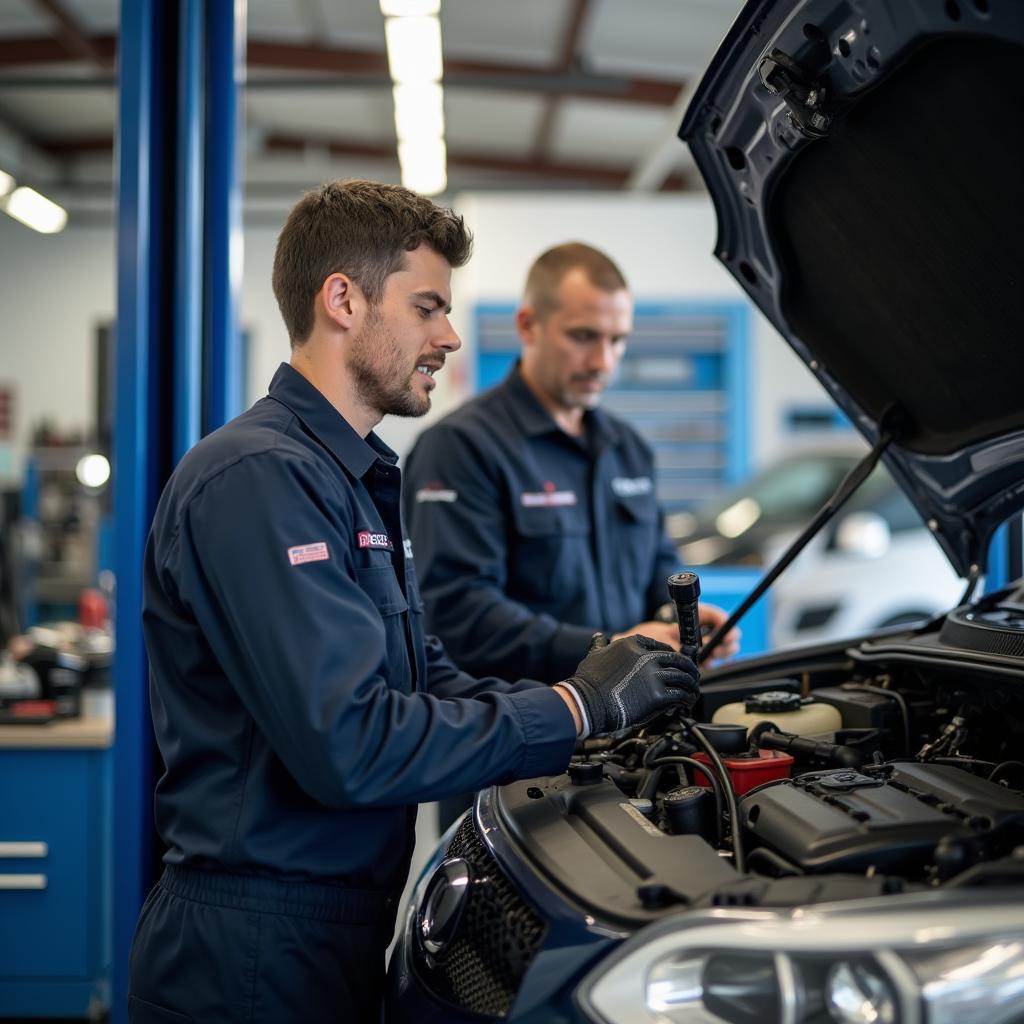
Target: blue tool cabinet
x=55, y=877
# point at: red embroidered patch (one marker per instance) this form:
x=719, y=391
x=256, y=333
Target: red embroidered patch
x=308, y=553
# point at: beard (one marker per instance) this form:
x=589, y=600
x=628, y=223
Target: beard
x=576, y=397
x=385, y=382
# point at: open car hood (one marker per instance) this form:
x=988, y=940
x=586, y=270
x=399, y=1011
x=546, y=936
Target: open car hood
x=864, y=158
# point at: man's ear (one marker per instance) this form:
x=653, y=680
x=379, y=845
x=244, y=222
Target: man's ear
x=338, y=300
x=526, y=323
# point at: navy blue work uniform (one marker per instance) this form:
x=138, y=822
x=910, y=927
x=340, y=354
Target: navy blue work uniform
x=301, y=714
x=529, y=540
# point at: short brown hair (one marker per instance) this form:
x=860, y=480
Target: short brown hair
x=544, y=277
x=362, y=229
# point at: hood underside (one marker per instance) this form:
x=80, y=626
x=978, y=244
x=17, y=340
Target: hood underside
x=865, y=163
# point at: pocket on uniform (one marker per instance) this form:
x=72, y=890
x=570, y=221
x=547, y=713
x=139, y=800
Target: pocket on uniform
x=380, y=584
x=550, y=522
x=643, y=508
x=140, y=1011
x=549, y=557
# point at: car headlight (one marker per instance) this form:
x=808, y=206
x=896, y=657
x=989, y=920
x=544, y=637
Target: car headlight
x=929, y=958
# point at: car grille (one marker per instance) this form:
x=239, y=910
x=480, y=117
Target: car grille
x=482, y=967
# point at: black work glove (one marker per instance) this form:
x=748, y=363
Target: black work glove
x=628, y=682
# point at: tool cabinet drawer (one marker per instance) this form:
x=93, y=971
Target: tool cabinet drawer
x=53, y=867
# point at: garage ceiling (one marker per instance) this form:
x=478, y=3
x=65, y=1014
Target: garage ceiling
x=539, y=94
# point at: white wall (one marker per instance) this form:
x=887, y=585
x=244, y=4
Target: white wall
x=55, y=290
x=268, y=340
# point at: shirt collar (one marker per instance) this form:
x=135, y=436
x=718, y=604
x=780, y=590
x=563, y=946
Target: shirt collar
x=357, y=455
x=536, y=420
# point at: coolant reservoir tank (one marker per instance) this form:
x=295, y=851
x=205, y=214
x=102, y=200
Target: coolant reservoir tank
x=786, y=710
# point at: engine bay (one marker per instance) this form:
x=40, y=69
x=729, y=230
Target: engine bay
x=893, y=765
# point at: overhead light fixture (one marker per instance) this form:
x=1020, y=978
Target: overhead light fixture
x=409, y=8
x=412, y=30
x=414, y=49
x=93, y=470
x=6, y=183
x=35, y=210
x=424, y=165
x=419, y=111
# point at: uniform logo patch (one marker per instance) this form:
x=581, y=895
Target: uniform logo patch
x=631, y=486
x=435, y=492
x=308, y=553
x=547, y=499
x=375, y=541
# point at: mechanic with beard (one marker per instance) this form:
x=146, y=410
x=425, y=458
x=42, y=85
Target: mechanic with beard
x=532, y=511
x=299, y=708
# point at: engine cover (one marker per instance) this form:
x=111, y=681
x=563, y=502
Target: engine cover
x=891, y=819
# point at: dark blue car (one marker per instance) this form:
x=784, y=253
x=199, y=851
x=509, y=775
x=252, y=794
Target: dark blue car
x=845, y=844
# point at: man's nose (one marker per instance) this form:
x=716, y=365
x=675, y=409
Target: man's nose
x=446, y=339
x=602, y=356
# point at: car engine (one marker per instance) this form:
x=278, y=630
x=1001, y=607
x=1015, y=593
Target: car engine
x=919, y=784
x=836, y=773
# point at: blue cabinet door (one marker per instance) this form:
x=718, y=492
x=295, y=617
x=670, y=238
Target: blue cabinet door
x=54, y=881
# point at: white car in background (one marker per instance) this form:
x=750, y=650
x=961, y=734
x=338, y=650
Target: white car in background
x=868, y=578
x=878, y=566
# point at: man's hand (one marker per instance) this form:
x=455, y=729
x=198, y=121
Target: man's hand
x=711, y=616
x=627, y=682
x=663, y=632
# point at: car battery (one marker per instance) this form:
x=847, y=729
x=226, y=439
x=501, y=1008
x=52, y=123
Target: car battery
x=748, y=770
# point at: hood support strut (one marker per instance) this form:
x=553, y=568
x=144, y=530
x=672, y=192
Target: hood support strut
x=846, y=489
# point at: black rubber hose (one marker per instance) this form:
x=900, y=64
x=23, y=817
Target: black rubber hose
x=705, y=770
x=739, y=860
x=998, y=770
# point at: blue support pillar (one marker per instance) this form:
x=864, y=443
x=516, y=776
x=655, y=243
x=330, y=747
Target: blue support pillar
x=225, y=75
x=141, y=349
x=188, y=242
x=179, y=252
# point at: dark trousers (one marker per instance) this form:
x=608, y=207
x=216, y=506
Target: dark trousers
x=213, y=948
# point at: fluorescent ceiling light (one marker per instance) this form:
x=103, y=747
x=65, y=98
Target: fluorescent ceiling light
x=414, y=49
x=407, y=8
x=419, y=111
x=6, y=183
x=424, y=163
x=36, y=211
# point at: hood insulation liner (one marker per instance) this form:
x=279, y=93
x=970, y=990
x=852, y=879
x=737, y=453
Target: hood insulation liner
x=900, y=238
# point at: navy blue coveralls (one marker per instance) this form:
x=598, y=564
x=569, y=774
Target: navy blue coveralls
x=529, y=540
x=301, y=714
